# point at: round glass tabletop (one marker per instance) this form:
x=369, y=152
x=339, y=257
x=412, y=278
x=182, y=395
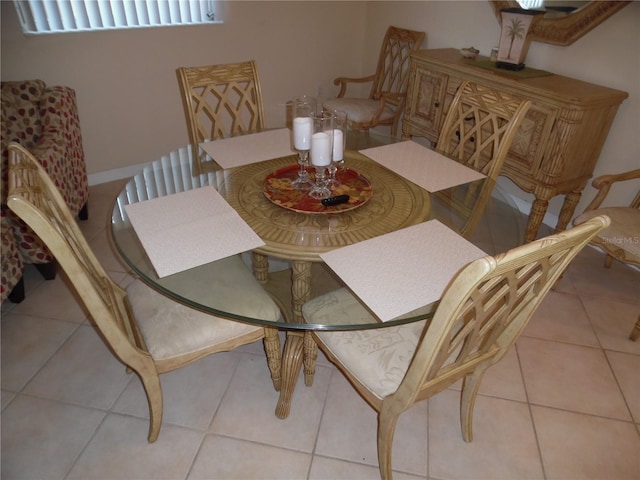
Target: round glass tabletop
x=298, y=238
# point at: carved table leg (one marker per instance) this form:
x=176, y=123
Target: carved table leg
x=291, y=365
x=538, y=209
x=310, y=357
x=300, y=287
x=274, y=359
x=294, y=347
x=568, y=207
x=260, y=267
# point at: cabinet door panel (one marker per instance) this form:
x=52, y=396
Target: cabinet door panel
x=427, y=104
x=528, y=148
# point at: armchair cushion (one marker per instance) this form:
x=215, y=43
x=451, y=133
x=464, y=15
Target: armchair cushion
x=360, y=110
x=21, y=114
x=45, y=121
x=622, y=238
x=63, y=160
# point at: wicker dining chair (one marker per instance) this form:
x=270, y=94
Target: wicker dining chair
x=482, y=312
x=621, y=241
x=388, y=93
x=220, y=101
x=146, y=331
x=478, y=130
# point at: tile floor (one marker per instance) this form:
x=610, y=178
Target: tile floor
x=564, y=404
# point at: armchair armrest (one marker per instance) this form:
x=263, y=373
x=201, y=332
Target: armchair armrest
x=344, y=81
x=603, y=184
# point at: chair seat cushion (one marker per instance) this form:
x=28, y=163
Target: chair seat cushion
x=360, y=110
x=171, y=329
x=622, y=237
x=378, y=358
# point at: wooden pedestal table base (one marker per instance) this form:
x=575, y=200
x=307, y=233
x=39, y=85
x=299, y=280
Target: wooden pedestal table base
x=300, y=237
x=297, y=350
x=299, y=347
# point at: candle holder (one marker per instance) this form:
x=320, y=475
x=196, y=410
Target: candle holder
x=321, y=153
x=339, y=144
x=304, y=107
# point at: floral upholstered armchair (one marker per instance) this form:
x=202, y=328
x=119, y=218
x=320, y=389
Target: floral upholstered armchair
x=45, y=121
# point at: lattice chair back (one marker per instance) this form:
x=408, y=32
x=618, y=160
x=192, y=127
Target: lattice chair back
x=480, y=126
x=34, y=198
x=482, y=313
x=478, y=131
x=483, y=310
x=164, y=335
x=392, y=72
x=221, y=101
x=389, y=82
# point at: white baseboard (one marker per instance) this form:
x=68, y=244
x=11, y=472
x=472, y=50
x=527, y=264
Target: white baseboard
x=115, y=174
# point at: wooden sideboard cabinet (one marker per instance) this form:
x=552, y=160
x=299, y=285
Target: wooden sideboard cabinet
x=558, y=143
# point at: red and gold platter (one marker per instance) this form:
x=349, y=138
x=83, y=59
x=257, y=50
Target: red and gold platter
x=278, y=189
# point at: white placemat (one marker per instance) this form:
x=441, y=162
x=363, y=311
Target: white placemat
x=401, y=271
x=424, y=167
x=189, y=229
x=245, y=149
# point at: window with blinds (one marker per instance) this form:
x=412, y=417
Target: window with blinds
x=57, y=16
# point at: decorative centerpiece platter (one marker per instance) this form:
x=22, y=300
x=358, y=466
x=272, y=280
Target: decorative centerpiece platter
x=278, y=189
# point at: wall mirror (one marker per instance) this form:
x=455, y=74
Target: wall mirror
x=565, y=21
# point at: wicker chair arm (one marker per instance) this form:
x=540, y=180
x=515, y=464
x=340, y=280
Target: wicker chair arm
x=603, y=184
x=344, y=81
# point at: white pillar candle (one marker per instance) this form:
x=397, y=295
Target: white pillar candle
x=338, y=145
x=302, y=127
x=320, y=149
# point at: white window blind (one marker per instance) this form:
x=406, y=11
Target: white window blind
x=55, y=16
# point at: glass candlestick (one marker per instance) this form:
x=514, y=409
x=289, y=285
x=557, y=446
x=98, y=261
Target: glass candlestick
x=304, y=107
x=339, y=144
x=321, y=153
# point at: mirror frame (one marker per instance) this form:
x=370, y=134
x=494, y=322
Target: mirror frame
x=566, y=30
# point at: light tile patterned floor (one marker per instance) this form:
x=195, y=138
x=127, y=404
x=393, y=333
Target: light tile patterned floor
x=564, y=404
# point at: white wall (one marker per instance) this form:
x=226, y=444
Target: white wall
x=128, y=93
x=125, y=81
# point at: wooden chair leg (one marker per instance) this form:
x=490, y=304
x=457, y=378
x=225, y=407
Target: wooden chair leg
x=274, y=356
x=152, y=387
x=310, y=357
x=635, y=333
x=467, y=402
x=386, y=429
x=608, y=261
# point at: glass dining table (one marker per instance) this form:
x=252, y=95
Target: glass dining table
x=295, y=239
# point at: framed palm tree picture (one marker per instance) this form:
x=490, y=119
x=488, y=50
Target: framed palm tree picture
x=514, y=39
